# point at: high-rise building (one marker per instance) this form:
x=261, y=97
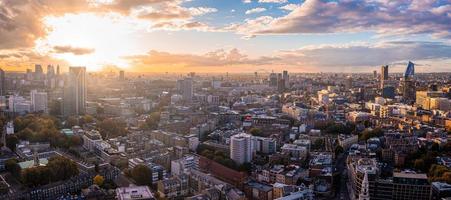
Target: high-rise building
x=2, y=83
x=384, y=75
x=121, y=75
x=273, y=80
x=280, y=83
x=286, y=79
x=187, y=89
x=375, y=74
x=38, y=72
x=58, y=70
x=50, y=71
x=29, y=74
x=241, y=148
x=348, y=83
x=38, y=101
x=408, y=84
x=74, y=101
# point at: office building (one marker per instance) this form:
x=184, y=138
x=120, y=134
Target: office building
x=241, y=148
x=410, y=186
x=18, y=104
x=286, y=79
x=50, y=71
x=424, y=98
x=348, y=83
x=38, y=72
x=2, y=83
x=74, y=98
x=58, y=70
x=388, y=92
x=186, y=88
x=408, y=84
x=384, y=75
x=121, y=75
x=440, y=190
x=134, y=193
x=273, y=80
x=38, y=101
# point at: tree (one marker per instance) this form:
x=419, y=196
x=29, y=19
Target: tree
x=71, y=121
x=142, y=175
x=55, y=107
x=11, y=142
x=152, y=121
x=98, y=180
x=419, y=164
x=256, y=132
x=338, y=150
x=62, y=168
x=36, y=176
x=112, y=128
x=12, y=166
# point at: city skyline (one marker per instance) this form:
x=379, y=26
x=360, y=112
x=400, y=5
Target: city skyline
x=226, y=36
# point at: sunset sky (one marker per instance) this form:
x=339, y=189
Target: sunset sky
x=227, y=35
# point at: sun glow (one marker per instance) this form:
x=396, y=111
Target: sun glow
x=109, y=36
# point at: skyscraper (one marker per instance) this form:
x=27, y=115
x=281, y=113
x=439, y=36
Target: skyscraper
x=2, y=83
x=286, y=79
x=384, y=75
x=74, y=101
x=50, y=71
x=273, y=80
x=408, y=84
x=58, y=70
x=38, y=101
x=121, y=75
x=348, y=83
x=241, y=148
x=187, y=89
x=375, y=74
x=280, y=83
x=38, y=72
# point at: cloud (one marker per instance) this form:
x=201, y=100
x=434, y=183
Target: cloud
x=255, y=10
x=72, y=50
x=381, y=16
x=21, y=21
x=219, y=57
x=17, y=60
x=272, y=1
x=174, y=12
x=176, y=26
x=247, y=1
x=334, y=58
x=290, y=7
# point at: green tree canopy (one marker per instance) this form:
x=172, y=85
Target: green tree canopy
x=142, y=175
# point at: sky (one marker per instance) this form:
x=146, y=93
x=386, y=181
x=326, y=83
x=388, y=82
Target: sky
x=227, y=35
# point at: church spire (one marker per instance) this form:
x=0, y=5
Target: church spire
x=365, y=189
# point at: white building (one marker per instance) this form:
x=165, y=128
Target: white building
x=183, y=165
x=38, y=101
x=241, y=148
x=294, y=151
x=134, y=193
x=90, y=138
x=19, y=104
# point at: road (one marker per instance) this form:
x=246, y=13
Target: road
x=342, y=190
